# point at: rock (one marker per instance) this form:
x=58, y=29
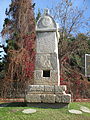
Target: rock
x=75, y=111
x=85, y=109
x=29, y=111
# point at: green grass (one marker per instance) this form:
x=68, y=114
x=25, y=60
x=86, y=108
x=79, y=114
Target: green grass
x=15, y=113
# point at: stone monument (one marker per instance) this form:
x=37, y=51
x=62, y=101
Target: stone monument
x=47, y=88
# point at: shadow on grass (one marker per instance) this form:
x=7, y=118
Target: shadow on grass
x=48, y=105
x=35, y=105
x=14, y=104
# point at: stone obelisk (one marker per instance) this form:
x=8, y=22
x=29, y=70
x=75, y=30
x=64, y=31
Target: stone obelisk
x=47, y=88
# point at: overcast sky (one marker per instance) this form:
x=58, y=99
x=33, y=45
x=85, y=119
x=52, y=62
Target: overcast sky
x=39, y=4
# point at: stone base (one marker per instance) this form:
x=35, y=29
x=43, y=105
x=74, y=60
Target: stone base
x=47, y=94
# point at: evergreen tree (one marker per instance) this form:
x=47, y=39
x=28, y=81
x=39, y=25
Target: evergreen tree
x=38, y=15
x=19, y=26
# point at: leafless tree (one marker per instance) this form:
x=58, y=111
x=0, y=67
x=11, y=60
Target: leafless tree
x=70, y=17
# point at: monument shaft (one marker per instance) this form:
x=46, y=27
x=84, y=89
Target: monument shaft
x=47, y=63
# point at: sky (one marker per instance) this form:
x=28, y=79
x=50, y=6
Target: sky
x=39, y=4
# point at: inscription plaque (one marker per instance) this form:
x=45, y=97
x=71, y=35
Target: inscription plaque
x=87, y=65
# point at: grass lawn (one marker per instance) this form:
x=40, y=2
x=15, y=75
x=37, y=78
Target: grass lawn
x=15, y=113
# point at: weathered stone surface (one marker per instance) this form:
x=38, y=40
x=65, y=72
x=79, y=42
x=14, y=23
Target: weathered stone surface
x=46, y=61
x=36, y=88
x=43, y=61
x=58, y=89
x=38, y=75
x=47, y=94
x=33, y=98
x=66, y=98
x=48, y=98
x=46, y=22
x=64, y=87
x=58, y=98
x=39, y=79
x=46, y=52
x=54, y=77
x=63, y=98
x=46, y=42
x=48, y=88
x=53, y=59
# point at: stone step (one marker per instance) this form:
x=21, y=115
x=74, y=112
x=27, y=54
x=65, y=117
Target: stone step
x=48, y=98
x=46, y=89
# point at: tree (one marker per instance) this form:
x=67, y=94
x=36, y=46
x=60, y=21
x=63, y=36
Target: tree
x=38, y=15
x=20, y=27
x=2, y=53
x=72, y=65
x=72, y=46
x=70, y=17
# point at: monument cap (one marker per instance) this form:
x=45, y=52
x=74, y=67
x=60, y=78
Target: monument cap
x=46, y=22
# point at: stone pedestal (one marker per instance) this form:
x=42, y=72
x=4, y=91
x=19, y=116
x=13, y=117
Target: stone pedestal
x=47, y=94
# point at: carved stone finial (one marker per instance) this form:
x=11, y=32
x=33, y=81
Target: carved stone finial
x=46, y=11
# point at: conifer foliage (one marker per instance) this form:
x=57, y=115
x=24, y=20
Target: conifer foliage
x=20, y=27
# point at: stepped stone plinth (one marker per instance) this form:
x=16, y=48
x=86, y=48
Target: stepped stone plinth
x=47, y=94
